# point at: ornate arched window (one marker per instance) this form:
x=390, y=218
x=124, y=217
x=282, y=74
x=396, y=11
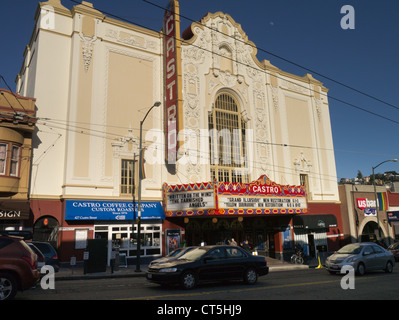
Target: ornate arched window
x=227, y=144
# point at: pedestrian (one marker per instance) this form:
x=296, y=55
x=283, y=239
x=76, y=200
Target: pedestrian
x=245, y=246
x=233, y=242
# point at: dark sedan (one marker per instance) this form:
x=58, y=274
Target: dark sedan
x=209, y=263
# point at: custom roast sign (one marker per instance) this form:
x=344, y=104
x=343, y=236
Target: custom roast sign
x=262, y=196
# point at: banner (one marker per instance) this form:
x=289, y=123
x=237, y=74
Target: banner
x=382, y=201
x=172, y=79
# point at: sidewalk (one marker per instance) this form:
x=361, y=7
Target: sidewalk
x=68, y=272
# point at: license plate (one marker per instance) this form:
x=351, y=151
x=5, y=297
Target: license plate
x=149, y=276
x=335, y=267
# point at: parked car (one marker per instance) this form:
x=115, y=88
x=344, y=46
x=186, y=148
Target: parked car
x=41, y=260
x=209, y=263
x=171, y=256
x=394, y=248
x=18, y=267
x=50, y=255
x=363, y=257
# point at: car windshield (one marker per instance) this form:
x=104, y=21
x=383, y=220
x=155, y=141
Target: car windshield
x=194, y=254
x=175, y=252
x=394, y=246
x=350, y=249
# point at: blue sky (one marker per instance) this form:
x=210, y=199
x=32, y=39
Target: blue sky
x=306, y=32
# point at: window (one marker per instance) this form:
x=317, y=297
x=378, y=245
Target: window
x=14, y=161
x=234, y=253
x=3, y=158
x=227, y=143
x=304, y=181
x=9, y=163
x=128, y=176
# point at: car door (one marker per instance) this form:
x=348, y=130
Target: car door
x=368, y=257
x=381, y=257
x=212, y=265
x=236, y=262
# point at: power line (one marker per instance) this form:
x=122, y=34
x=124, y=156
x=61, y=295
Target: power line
x=255, y=68
x=282, y=58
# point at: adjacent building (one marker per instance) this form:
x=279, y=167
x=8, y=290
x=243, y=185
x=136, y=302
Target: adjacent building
x=17, y=124
x=366, y=218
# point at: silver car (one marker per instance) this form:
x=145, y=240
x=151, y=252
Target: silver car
x=363, y=257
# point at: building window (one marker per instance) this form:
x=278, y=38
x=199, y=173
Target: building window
x=9, y=167
x=228, y=159
x=3, y=158
x=14, y=161
x=128, y=177
x=304, y=181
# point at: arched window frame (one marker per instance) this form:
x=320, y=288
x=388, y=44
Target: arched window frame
x=227, y=127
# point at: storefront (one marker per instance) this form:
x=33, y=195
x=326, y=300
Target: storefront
x=114, y=221
x=361, y=220
x=14, y=215
x=310, y=232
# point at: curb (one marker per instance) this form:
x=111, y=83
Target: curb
x=130, y=273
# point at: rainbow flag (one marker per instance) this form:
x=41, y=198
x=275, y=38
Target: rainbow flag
x=382, y=201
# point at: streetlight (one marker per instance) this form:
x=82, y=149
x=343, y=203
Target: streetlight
x=156, y=104
x=375, y=195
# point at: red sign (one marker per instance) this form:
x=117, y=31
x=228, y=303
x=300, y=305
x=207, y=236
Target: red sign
x=171, y=59
x=361, y=203
x=263, y=189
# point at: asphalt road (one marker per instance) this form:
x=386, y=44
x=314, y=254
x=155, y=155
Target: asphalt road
x=310, y=284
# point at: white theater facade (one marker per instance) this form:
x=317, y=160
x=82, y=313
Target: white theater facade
x=229, y=120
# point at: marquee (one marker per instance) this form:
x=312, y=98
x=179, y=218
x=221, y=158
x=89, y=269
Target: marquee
x=259, y=197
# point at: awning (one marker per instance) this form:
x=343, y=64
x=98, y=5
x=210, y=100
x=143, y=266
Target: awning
x=14, y=209
x=318, y=221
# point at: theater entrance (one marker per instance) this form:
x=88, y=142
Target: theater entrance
x=262, y=233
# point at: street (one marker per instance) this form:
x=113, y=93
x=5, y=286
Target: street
x=308, y=284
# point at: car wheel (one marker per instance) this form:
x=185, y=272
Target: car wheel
x=188, y=280
x=250, y=276
x=8, y=286
x=389, y=267
x=361, y=270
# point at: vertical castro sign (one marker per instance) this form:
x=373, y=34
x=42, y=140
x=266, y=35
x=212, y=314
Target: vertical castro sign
x=172, y=74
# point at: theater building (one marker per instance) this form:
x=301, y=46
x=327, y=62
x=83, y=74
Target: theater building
x=226, y=120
